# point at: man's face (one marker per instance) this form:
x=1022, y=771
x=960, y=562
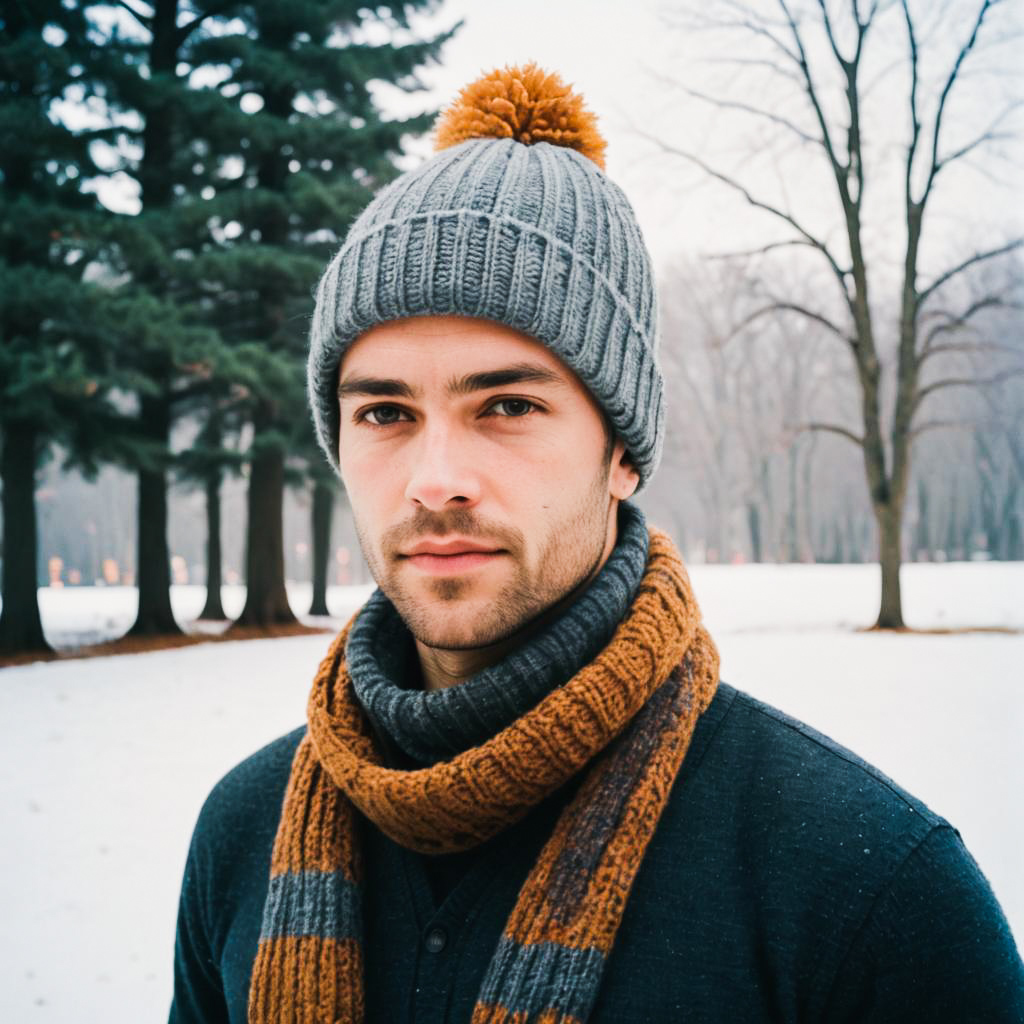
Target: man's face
x=477, y=468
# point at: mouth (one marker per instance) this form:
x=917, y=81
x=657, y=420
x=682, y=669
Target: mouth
x=444, y=558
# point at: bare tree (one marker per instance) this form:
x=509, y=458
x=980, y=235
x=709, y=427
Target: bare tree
x=830, y=125
x=738, y=395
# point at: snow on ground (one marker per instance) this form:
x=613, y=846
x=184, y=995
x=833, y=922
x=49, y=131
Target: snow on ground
x=106, y=761
x=77, y=616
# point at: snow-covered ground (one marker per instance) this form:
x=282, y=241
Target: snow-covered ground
x=105, y=761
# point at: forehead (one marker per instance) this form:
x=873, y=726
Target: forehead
x=419, y=346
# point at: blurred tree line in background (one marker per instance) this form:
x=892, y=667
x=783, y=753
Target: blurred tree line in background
x=163, y=349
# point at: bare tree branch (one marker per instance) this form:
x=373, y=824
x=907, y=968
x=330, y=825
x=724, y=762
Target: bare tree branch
x=988, y=135
x=760, y=250
x=988, y=300
x=812, y=94
x=746, y=108
x=832, y=428
x=969, y=348
x=964, y=382
x=855, y=161
x=827, y=22
x=757, y=29
x=753, y=201
x=944, y=95
x=952, y=323
x=793, y=307
x=941, y=425
x=978, y=257
x=754, y=62
x=915, y=120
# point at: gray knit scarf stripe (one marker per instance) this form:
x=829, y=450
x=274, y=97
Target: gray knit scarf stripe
x=436, y=725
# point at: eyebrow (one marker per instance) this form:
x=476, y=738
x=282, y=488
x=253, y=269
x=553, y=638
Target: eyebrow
x=484, y=380
x=519, y=373
x=379, y=386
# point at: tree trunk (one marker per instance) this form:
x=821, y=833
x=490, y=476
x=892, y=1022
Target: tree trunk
x=792, y=542
x=1003, y=539
x=806, y=497
x=266, y=601
x=213, y=609
x=323, y=508
x=754, y=525
x=21, y=628
x=922, y=531
x=851, y=539
x=889, y=517
x=155, y=173
x=1015, y=538
x=953, y=521
x=969, y=530
x=152, y=569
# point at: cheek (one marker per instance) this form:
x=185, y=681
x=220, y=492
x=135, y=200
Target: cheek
x=368, y=477
x=538, y=472
x=548, y=485
x=564, y=461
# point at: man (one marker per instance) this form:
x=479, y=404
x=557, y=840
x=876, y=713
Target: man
x=523, y=794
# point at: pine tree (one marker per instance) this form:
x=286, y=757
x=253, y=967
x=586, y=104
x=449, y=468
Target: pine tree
x=161, y=339
x=52, y=364
x=305, y=158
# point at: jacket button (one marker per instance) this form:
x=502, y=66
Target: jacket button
x=436, y=940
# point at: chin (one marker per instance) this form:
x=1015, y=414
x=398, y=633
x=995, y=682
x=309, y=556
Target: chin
x=465, y=613
x=470, y=630
x=448, y=619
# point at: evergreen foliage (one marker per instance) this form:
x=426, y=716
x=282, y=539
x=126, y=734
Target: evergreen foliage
x=54, y=373
x=173, y=357
x=252, y=137
x=300, y=148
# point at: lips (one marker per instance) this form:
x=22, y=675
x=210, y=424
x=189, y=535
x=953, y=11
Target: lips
x=450, y=548
x=449, y=556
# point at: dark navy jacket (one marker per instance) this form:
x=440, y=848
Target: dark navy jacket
x=787, y=881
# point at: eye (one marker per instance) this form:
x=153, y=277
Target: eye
x=512, y=407
x=383, y=415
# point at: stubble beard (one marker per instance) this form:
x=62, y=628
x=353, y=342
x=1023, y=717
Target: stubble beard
x=447, y=614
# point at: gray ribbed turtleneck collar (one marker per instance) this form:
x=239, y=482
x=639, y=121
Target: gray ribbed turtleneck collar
x=431, y=726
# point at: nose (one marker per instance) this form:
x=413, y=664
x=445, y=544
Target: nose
x=443, y=471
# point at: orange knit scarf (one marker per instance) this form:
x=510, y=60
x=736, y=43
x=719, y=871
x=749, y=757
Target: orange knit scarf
x=628, y=716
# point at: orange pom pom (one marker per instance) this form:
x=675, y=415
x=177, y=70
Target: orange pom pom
x=522, y=103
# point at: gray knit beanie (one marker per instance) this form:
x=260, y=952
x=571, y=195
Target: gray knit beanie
x=512, y=223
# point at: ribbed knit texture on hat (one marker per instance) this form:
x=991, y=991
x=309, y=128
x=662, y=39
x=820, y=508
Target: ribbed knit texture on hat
x=535, y=237
x=432, y=725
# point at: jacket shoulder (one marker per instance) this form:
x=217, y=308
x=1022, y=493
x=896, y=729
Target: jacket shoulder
x=793, y=823
x=773, y=760
x=815, y=766
x=234, y=834
x=249, y=796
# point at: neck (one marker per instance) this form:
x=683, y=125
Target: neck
x=441, y=668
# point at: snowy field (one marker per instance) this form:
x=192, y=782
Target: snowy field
x=105, y=761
